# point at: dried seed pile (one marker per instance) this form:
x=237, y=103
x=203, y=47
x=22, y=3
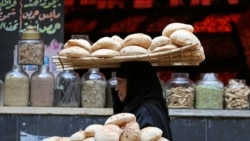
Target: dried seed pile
x=208, y=97
x=93, y=94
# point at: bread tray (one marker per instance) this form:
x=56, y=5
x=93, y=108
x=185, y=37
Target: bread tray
x=189, y=55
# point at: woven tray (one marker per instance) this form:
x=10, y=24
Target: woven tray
x=187, y=55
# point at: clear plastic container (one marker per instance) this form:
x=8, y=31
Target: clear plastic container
x=16, y=87
x=42, y=84
x=1, y=93
x=68, y=89
x=111, y=84
x=209, y=92
x=93, y=89
x=30, y=48
x=236, y=94
x=180, y=91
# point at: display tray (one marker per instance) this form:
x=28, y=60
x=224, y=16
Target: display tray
x=189, y=55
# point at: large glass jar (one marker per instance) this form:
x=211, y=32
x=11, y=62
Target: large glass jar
x=236, y=94
x=93, y=89
x=16, y=88
x=111, y=84
x=68, y=89
x=209, y=92
x=42, y=84
x=1, y=93
x=180, y=91
x=30, y=47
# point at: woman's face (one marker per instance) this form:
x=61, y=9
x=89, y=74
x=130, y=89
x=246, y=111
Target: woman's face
x=121, y=88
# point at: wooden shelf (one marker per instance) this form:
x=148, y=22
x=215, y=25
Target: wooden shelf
x=109, y=111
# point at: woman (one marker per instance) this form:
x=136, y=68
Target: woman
x=140, y=92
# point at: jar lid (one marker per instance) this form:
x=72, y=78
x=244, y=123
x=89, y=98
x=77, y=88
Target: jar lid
x=30, y=33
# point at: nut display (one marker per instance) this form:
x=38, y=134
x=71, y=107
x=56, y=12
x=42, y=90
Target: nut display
x=180, y=97
x=236, y=95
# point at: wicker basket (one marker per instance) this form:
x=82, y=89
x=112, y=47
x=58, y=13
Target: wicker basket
x=188, y=55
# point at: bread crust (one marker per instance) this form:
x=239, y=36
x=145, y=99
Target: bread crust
x=170, y=28
x=137, y=39
x=106, y=43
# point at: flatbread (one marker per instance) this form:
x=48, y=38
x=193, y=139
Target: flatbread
x=78, y=42
x=133, y=50
x=170, y=28
x=105, y=53
x=184, y=38
x=120, y=119
x=164, y=48
x=137, y=39
x=74, y=52
x=106, y=43
x=131, y=132
x=150, y=134
x=159, y=41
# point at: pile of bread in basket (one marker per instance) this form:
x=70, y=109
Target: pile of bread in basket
x=118, y=127
x=176, y=44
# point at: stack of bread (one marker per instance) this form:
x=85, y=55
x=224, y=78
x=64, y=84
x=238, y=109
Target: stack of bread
x=177, y=43
x=118, y=127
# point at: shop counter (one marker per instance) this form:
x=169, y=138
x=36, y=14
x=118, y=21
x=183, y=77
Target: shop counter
x=36, y=123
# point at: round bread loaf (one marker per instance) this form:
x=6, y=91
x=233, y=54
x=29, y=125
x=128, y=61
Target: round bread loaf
x=150, y=134
x=133, y=50
x=74, y=52
x=131, y=132
x=52, y=138
x=89, y=139
x=163, y=139
x=109, y=132
x=105, y=53
x=120, y=119
x=66, y=45
x=184, y=38
x=170, y=28
x=106, y=43
x=78, y=42
x=164, y=48
x=117, y=38
x=159, y=41
x=92, y=129
x=137, y=39
x=78, y=136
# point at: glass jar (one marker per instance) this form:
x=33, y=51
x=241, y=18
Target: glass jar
x=16, y=87
x=111, y=84
x=180, y=91
x=93, y=89
x=1, y=93
x=209, y=92
x=236, y=94
x=68, y=89
x=42, y=84
x=30, y=48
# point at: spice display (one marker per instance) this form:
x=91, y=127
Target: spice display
x=68, y=89
x=1, y=92
x=180, y=91
x=16, y=90
x=93, y=89
x=236, y=95
x=209, y=92
x=42, y=87
x=30, y=47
